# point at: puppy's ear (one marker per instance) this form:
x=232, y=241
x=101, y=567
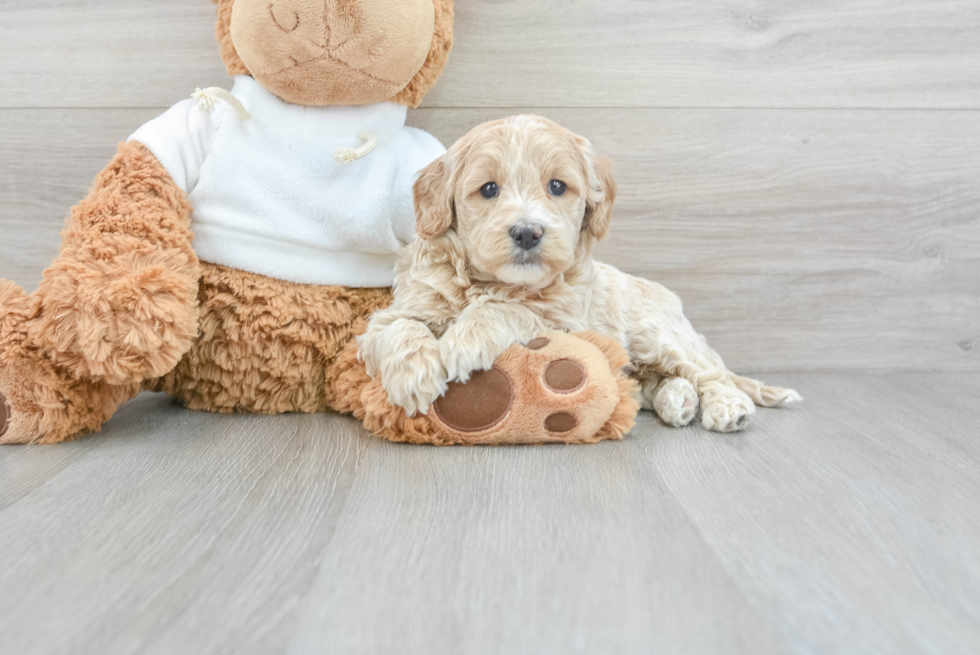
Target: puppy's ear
x=433, y=200
x=600, y=196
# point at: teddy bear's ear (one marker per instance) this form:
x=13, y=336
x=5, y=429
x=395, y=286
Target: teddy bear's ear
x=433, y=200
x=229, y=55
x=442, y=43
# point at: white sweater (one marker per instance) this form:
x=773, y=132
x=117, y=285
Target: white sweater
x=270, y=198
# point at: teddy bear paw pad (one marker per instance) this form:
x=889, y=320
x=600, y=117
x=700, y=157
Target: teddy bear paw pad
x=565, y=376
x=560, y=422
x=479, y=404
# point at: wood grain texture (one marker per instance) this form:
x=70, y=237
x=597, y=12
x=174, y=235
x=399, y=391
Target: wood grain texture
x=799, y=240
x=848, y=524
x=542, y=53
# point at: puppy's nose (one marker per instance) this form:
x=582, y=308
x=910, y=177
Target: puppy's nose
x=527, y=237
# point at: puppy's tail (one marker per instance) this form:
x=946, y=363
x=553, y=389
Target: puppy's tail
x=764, y=396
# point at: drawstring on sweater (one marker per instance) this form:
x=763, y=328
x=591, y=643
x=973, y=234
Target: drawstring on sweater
x=346, y=155
x=208, y=98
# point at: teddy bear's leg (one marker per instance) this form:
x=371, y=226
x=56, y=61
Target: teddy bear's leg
x=558, y=388
x=265, y=345
x=117, y=306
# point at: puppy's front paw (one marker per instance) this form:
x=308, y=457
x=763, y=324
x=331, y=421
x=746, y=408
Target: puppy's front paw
x=412, y=388
x=463, y=357
x=414, y=377
x=727, y=411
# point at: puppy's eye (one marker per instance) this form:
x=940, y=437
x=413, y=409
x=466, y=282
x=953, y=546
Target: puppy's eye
x=557, y=188
x=490, y=190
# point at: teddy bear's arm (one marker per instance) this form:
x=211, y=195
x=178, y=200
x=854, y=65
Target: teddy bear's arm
x=119, y=303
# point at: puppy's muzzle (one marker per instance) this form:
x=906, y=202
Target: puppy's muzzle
x=527, y=237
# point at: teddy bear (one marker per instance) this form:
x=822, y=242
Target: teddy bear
x=235, y=247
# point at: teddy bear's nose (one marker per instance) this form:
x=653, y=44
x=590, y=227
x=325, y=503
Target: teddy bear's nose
x=286, y=17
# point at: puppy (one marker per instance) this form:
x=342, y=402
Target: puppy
x=508, y=221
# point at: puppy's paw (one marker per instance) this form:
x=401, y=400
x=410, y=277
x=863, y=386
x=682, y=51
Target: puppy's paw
x=414, y=377
x=463, y=357
x=727, y=411
x=673, y=399
x=412, y=388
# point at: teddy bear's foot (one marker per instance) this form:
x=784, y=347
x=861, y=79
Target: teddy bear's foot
x=559, y=388
x=20, y=417
x=19, y=413
x=40, y=405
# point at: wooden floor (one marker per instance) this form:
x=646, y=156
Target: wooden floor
x=850, y=524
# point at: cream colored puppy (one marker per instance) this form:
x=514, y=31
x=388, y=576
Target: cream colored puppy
x=508, y=220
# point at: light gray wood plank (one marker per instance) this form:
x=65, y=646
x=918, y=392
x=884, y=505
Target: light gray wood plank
x=798, y=240
x=113, y=53
x=172, y=532
x=539, y=550
x=675, y=53
x=21, y=475
x=848, y=524
x=863, y=503
x=541, y=53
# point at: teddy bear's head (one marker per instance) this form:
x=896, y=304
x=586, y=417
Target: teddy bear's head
x=338, y=52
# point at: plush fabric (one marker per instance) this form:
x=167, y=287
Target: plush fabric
x=266, y=346
x=603, y=408
x=43, y=404
x=442, y=43
x=270, y=197
x=410, y=94
x=120, y=300
x=318, y=53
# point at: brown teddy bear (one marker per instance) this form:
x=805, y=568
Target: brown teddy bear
x=235, y=247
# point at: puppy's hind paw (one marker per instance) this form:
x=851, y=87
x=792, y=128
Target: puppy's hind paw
x=729, y=412
x=675, y=400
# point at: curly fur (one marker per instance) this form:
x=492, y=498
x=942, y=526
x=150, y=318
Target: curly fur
x=48, y=406
x=469, y=284
x=267, y=346
x=119, y=303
